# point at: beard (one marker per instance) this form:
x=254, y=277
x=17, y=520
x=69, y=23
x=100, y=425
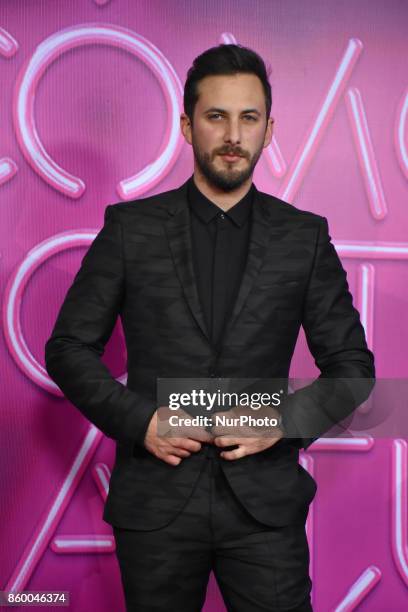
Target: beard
x=229, y=178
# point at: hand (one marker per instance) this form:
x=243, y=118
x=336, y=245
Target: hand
x=173, y=450
x=262, y=437
x=246, y=446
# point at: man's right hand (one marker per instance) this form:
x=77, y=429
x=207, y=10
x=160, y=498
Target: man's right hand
x=170, y=449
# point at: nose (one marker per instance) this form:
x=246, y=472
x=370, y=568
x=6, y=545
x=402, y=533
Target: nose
x=232, y=132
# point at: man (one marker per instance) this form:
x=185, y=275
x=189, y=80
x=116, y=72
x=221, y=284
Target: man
x=212, y=279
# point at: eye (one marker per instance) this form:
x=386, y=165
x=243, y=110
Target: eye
x=215, y=115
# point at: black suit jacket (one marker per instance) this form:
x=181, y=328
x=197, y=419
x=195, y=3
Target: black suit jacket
x=140, y=267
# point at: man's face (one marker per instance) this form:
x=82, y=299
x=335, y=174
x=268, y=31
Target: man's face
x=229, y=118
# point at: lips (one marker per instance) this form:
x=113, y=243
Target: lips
x=231, y=157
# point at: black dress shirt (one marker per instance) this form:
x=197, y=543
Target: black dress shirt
x=220, y=246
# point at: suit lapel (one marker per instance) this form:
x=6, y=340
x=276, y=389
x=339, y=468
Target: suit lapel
x=257, y=247
x=179, y=237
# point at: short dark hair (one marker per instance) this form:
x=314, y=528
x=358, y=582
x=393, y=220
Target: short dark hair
x=225, y=59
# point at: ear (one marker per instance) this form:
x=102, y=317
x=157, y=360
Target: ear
x=269, y=132
x=185, y=126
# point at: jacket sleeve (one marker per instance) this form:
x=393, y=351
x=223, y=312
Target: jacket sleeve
x=83, y=327
x=336, y=339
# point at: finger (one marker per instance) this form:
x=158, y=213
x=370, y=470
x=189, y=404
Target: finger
x=172, y=459
x=185, y=444
x=220, y=430
x=193, y=445
x=198, y=435
x=237, y=453
x=168, y=458
x=179, y=452
x=202, y=435
x=226, y=441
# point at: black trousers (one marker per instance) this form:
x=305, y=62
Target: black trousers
x=258, y=568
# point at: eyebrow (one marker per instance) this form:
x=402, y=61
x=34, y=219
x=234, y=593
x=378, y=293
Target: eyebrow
x=213, y=109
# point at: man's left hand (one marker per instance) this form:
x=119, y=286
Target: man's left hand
x=250, y=440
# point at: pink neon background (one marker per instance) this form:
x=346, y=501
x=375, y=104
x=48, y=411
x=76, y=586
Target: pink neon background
x=101, y=114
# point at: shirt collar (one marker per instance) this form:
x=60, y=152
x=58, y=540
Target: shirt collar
x=207, y=210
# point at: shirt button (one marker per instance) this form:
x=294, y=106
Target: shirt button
x=222, y=216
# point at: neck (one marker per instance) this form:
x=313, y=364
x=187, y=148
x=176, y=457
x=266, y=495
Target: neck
x=225, y=200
